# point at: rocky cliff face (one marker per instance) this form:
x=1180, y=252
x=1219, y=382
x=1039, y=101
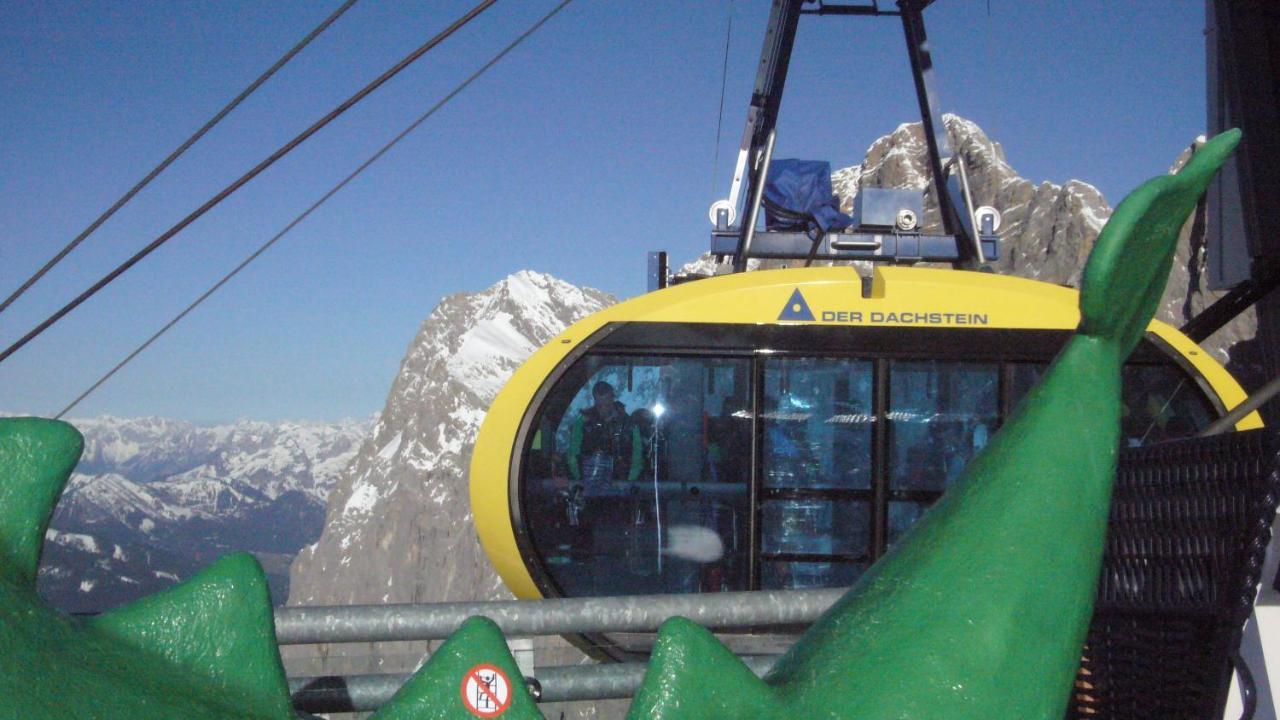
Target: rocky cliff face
x=399, y=526
x=1047, y=229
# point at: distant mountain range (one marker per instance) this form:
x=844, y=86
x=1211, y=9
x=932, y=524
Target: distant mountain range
x=154, y=500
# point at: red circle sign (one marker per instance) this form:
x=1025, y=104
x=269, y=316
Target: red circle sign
x=486, y=691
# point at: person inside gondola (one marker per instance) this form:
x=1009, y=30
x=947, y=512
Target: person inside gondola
x=604, y=448
x=604, y=445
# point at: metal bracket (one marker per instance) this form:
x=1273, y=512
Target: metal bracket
x=875, y=247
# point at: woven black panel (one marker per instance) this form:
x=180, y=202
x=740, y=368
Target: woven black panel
x=1190, y=520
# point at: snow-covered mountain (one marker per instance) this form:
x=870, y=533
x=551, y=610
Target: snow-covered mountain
x=399, y=525
x=153, y=500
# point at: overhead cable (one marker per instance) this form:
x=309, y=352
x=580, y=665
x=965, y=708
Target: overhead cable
x=724, y=77
x=174, y=155
x=316, y=205
x=228, y=190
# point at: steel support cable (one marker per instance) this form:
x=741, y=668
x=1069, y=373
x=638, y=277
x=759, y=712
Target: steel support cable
x=316, y=205
x=724, y=77
x=243, y=179
x=174, y=155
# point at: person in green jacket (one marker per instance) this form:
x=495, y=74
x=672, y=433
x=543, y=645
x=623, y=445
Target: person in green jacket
x=604, y=445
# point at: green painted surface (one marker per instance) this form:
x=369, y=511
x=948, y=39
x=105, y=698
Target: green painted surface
x=204, y=649
x=980, y=611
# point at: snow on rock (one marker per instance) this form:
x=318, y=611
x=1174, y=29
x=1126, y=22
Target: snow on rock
x=362, y=500
x=399, y=526
x=98, y=498
x=389, y=450
x=79, y=541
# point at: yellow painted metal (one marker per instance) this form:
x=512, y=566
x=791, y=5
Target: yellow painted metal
x=898, y=297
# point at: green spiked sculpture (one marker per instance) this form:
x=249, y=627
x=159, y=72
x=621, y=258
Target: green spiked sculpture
x=981, y=610
x=205, y=649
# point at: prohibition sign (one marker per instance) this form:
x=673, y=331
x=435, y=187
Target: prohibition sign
x=486, y=691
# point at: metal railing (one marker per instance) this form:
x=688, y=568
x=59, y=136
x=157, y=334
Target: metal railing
x=525, y=618
x=560, y=683
x=517, y=618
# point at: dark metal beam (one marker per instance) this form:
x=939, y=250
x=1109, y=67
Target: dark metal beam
x=872, y=10
x=882, y=247
x=935, y=132
x=1264, y=278
x=766, y=100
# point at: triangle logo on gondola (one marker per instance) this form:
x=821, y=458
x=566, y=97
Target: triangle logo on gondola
x=796, y=308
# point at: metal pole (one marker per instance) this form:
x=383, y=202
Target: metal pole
x=361, y=693
x=637, y=613
x=935, y=131
x=1238, y=413
x=753, y=212
x=657, y=500
x=958, y=160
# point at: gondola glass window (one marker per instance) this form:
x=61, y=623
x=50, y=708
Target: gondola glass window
x=940, y=415
x=817, y=433
x=638, y=478
x=1157, y=402
x=709, y=470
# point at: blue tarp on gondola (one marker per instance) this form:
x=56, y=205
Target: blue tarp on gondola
x=798, y=192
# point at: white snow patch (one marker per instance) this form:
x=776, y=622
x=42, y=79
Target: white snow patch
x=389, y=450
x=1096, y=218
x=489, y=354
x=81, y=542
x=362, y=500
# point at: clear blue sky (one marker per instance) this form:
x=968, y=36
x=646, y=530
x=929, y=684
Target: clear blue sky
x=585, y=148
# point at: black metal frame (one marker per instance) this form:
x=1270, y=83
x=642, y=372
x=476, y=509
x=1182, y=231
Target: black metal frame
x=766, y=100
x=907, y=247
x=698, y=340
x=935, y=132
x=1265, y=277
x=1242, y=91
x=742, y=241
